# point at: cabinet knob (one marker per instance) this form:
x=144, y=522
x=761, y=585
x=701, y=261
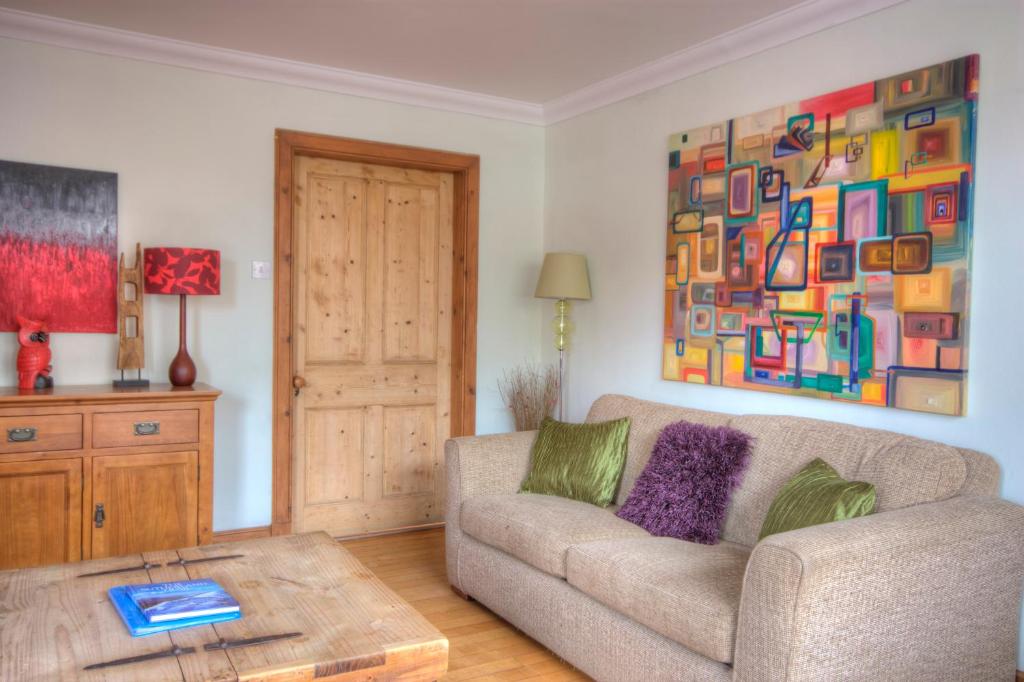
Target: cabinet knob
x=299, y=383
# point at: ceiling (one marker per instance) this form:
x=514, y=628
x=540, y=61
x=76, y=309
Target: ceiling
x=528, y=50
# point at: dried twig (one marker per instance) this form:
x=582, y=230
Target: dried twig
x=531, y=392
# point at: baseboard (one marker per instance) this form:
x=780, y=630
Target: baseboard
x=392, y=531
x=241, y=534
x=266, y=531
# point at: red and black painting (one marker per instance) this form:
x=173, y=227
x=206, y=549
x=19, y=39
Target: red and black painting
x=58, y=247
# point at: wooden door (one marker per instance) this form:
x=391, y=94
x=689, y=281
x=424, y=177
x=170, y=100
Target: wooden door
x=40, y=512
x=149, y=502
x=373, y=291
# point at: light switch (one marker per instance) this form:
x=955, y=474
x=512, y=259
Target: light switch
x=260, y=269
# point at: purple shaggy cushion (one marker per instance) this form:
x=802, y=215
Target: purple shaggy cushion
x=684, y=490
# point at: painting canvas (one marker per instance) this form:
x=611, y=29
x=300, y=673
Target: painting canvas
x=58, y=247
x=822, y=248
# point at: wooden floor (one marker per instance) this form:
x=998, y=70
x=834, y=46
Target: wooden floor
x=482, y=646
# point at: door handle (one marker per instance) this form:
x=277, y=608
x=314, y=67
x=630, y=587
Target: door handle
x=99, y=516
x=298, y=383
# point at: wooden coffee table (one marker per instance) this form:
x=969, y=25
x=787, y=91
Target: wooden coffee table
x=53, y=623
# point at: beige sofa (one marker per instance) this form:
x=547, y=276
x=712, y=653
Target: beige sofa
x=927, y=588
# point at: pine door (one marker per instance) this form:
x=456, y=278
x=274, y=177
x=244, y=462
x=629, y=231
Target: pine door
x=372, y=344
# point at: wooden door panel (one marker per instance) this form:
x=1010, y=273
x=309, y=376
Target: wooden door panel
x=410, y=273
x=371, y=385
x=346, y=520
x=410, y=450
x=374, y=247
x=149, y=502
x=336, y=257
x=334, y=465
x=41, y=504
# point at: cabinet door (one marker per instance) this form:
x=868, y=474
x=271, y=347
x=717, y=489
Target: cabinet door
x=149, y=502
x=40, y=512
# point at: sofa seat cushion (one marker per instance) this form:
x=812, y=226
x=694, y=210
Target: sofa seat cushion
x=687, y=592
x=540, y=529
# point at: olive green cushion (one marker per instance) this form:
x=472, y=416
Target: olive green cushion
x=580, y=461
x=817, y=494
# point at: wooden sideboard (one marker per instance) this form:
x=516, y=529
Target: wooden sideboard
x=92, y=471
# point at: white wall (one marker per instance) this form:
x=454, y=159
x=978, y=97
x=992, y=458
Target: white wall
x=606, y=188
x=194, y=153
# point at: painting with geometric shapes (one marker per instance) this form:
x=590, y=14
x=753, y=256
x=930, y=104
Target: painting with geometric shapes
x=822, y=248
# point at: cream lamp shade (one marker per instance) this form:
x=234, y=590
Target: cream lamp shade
x=564, y=276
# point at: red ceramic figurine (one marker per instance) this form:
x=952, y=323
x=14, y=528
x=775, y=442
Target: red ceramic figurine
x=34, y=356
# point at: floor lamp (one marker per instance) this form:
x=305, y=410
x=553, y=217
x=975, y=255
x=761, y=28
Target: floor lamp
x=563, y=277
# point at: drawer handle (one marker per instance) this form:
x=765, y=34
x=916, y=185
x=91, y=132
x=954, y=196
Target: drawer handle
x=147, y=428
x=22, y=434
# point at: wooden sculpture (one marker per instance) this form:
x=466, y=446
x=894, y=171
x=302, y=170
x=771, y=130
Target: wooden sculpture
x=130, y=346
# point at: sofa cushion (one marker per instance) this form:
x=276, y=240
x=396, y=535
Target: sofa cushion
x=539, y=529
x=684, y=490
x=647, y=419
x=903, y=469
x=687, y=592
x=579, y=461
x=913, y=471
x=817, y=495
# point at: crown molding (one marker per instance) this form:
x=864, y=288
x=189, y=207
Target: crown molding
x=800, y=20
x=116, y=42
x=777, y=29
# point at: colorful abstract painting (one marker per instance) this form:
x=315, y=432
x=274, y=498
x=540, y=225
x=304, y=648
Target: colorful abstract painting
x=822, y=248
x=58, y=247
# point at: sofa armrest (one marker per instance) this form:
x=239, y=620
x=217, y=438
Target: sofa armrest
x=475, y=466
x=487, y=465
x=927, y=592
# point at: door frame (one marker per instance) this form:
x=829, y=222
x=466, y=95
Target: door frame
x=465, y=248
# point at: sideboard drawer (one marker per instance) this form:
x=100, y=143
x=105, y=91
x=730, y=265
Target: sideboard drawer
x=40, y=432
x=156, y=427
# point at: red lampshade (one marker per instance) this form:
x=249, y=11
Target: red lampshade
x=182, y=271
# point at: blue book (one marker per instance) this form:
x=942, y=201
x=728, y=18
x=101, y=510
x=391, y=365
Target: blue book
x=138, y=626
x=160, y=602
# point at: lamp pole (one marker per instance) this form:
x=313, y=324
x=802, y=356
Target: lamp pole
x=563, y=328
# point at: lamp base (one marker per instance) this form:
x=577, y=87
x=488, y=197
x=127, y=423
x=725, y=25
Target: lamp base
x=182, y=371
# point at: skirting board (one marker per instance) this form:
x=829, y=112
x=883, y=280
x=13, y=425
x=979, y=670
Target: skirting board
x=265, y=532
x=241, y=534
x=392, y=531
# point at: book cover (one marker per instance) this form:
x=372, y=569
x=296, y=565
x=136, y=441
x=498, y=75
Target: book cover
x=161, y=602
x=138, y=626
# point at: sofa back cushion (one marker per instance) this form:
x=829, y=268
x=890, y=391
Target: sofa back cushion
x=904, y=470
x=647, y=421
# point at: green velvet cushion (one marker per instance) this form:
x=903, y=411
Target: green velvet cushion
x=817, y=494
x=580, y=461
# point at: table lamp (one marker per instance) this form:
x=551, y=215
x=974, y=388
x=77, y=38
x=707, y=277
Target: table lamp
x=563, y=277
x=185, y=272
